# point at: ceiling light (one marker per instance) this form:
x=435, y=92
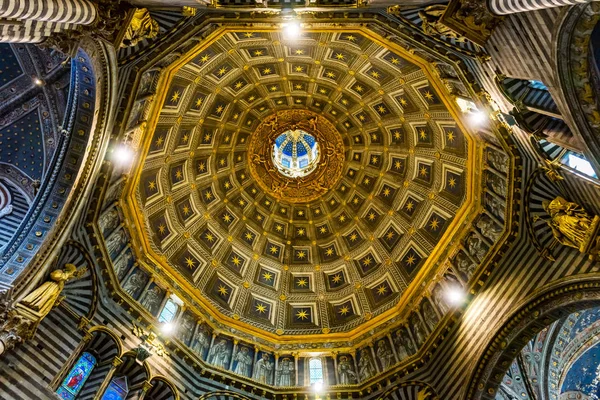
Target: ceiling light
x=292, y=29
x=167, y=328
x=123, y=154
x=38, y=81
x=455, y=296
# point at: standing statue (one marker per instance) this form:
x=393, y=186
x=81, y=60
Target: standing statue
x=142, y=26
x=346, y=372
x=151, y=299
x=384, y=354
x=201, y=342
x=218, y=355
x=42, y=299
x=572, y=226
x=244, y=362
x=366, y=368
x=286, y=374
x=263, y=370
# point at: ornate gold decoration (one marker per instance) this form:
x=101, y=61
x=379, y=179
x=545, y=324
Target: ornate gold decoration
x=572, y=226
x=471, y=19
x=142, y=26
x=149, y=344
x=303, y=189
x=432, y=25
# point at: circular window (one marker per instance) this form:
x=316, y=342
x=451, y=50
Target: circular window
x=295, y=153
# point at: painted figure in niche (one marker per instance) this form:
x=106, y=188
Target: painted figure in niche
x=572, y=226
x=42, y=299
x=495, y=207
x=488, y=228
x=244, y=362
x=134, y=283
x=498, y=184
x=438, y=297
x=201, y=341
x=151, y=299
x=186, y=328
x=384, y=354
x=286, y=374
x=429, y=315
x=76, y=378
x=418, y=330
x=464, y=265
x=498, y=161
x=263, y=370
x=122, y=264
x=74, y=381
x=404, y=346
x=219, y=355
x=476, y=247
x=116, y=242
x=366, y=368
x=109, y=221
x=532, y=364
x=346, y=372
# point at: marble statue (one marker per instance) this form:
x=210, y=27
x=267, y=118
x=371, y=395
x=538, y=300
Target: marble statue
x=42, y=299
x=201, y=342
x=384, y=354
x=286, y=374
x=489, y=229
x=404, y=346
x=366, y=368
x=244, y=362
x=346, y=372
x=151, y=299
x=134, y=283
x=476, y=247
x=219, y=355
x=572, y=226
x=263, y=370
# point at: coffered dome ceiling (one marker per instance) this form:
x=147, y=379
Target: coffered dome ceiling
x=350, y=242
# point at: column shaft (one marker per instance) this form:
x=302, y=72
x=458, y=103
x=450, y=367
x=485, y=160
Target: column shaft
x=80, y=12
x=504, y=7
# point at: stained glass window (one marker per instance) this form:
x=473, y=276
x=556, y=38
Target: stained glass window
x=117, y=389
x=168, y=312
x=76, y=378
x=315, y=369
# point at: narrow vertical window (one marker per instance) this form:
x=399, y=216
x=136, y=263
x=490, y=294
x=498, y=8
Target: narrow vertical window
x=168, y=312
x=117, y=389
x=315, y=369
x=76, y=378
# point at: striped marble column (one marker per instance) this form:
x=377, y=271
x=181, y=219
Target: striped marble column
x=79, y=12
x=504, y=7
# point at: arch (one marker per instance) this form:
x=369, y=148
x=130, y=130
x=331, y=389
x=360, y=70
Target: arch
x=223, y=395
x=113, y=335
x=550, y=303
x=137, y=374
x=162, y=389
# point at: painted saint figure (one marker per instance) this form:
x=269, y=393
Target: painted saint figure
x=263, y=370
x=219, y=355
x=201, y=342
x=286, y=373
x=244, y=362
x=346, y=372
x=134, y=283
x=385, y=355
x=404, y=346
x=366, y=368
x=151, y=300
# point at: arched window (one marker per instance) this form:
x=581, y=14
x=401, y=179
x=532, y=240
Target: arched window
x=315, y=370
x=168, y=312
x=74, y=381
x=117, y=389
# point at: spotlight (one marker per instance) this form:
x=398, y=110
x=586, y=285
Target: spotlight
x=167, y=328
x=38, y=81
x=292, y=29
x=477, y=117
x=318, y=386
x=455, y=296
x=123, y=154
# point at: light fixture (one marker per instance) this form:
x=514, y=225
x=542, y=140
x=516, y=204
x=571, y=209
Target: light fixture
x=292, y=29
x=123, y=155
x=455, y=296
x=167, y=328
x=38, y=81
x=477, y=117
x=318, y=386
